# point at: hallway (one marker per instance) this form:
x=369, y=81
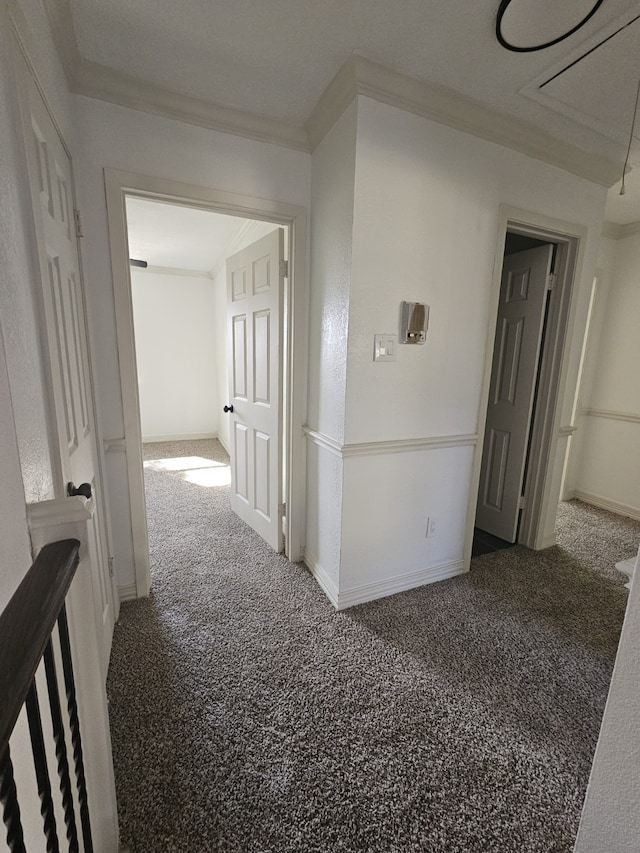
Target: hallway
x=248, y=715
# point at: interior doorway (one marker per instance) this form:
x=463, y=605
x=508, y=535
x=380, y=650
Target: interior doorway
x=248, y=216
x=199, y=376
x=528, y=272
x=522, y=440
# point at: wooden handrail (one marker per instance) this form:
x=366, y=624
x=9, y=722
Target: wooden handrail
x=26, y=625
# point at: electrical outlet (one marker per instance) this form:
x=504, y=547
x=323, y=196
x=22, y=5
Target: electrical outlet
x=432, y=526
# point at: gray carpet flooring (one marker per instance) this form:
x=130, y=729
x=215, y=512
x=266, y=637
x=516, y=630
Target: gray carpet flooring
x=247, y=715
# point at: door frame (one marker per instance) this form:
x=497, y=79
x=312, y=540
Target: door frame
x=556, y=391
x=118, y=185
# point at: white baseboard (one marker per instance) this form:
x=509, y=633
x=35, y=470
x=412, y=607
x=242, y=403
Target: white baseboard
x=127, y=592
x=185, y=436
x=224, y=444
x=326, y=584
x=342, y=599
x=399, y=583
x=605, y=503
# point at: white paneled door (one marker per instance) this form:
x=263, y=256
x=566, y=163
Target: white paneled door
x=51, y=182
x=255, y=285
x=523, y=295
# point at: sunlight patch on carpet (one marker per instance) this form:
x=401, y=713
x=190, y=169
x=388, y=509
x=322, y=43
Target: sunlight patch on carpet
x=194, y=469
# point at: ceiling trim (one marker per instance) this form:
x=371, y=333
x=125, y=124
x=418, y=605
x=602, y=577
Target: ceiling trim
x=618, y=232
x=98, y=81
x=106, y=84
x=454, y=110
x=181, y=271
x=358, y=76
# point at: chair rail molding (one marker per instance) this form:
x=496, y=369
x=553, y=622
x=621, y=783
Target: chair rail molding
x=380, y=448
x=611, y=415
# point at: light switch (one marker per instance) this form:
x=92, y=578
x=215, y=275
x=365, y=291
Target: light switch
x=384, y=347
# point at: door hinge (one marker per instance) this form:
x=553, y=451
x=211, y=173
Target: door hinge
x=78, y=221
x=282, y=509
x=551, y=281
x=284, y=269
x=110, y=564
x=522, y=502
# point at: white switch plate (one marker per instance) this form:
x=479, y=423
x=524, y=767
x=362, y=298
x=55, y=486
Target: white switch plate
x=384, y=347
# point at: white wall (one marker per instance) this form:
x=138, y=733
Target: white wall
x=333, y=176
x=604, y=466
x=119, y=138
x=611, y=817
x=425, y=228
x=175, y=333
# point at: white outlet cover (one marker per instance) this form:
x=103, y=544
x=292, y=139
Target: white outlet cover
x=384, y=347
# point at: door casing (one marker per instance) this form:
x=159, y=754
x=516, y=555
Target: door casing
x=548, y=435
x=120, y=184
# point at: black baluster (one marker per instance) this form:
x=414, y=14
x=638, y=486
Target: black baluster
x=42, y=773
x=61, y=749
x=76, y=741
x=10, y=807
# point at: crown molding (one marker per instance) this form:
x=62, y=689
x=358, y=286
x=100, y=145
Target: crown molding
x=619, y=232
x=333, y=102
x=181, y=271
x=64, y=36
x=106, y=84
x=360, y=76
x=115, y=87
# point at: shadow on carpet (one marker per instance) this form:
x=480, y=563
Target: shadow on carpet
x=247, y=715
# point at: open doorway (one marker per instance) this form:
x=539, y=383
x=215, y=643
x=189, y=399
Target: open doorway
x=528, y=272
x=245, y=220
x=521, y=453
x=209, y=317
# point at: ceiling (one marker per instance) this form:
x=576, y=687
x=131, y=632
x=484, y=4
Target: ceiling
x=181, y=238
x=275, y=58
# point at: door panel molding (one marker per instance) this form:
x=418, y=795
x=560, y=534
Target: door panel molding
x=118, y=184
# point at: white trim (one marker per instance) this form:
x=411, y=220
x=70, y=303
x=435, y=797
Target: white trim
x=360, y=76
x=410, y=445
x=174, y=271
x=127, y=592
x=224, y=444
x=399, y=583
x=547, y=451
x=606, y=503
x=114, y=445
x=322, y=440
x=565, y=431
x=191, y=436
x=619, y=232
x=324, y=581
x=548, y=542
x=612, y=415
x=59, y=511
x=382, y=448
x=119, y=184
x=107, y=84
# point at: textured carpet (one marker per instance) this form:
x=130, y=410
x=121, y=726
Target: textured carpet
x=247, y=715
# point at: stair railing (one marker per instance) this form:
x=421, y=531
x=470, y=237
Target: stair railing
x=27, y=637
